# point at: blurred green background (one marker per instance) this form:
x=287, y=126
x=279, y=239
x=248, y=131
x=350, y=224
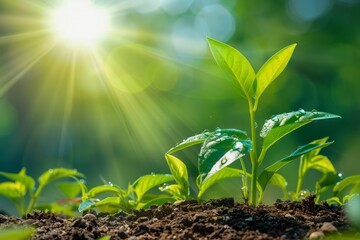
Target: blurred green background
x=112, y=111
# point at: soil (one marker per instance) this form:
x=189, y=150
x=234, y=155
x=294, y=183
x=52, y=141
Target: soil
x=214, y=219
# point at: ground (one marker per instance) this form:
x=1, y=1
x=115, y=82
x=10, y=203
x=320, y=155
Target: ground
x=214, y=219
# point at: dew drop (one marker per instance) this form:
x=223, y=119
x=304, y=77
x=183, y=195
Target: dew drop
x=301, y=111
x=275, y=119
x=314, y=111
x=238, y=146
x=340, y=175
x=50, y=170
x=223, y=161
x=110, y=184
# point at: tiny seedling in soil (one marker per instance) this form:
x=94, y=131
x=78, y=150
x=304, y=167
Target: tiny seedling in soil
x=22, y=185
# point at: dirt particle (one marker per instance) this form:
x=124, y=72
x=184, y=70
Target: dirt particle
x=316, y=235
x=328, y=227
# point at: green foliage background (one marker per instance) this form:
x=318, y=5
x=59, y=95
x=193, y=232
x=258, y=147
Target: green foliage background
x=120, y=130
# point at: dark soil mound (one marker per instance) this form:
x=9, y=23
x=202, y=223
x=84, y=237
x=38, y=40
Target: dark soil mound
x=215, y=219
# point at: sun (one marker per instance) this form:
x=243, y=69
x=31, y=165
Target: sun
x=80, y=22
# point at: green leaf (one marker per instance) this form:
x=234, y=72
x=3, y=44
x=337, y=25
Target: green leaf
x=321, y=163
x=17, y=232
x=147, y=182
x=280, y=125
x=110, y=205
x=12, y=190
x=57, y=173
x=191, y=141
x=70, y=189
x=328, y=180
x=219, y=151
x=179, y=171
x=20, y=177
x=346, y=182
x=174, y=190
x=312, y=160
x=235, y=65
x=87, y=204
x=267, y=174
x=224, y=173
x=103, y=189
x=334, y=200
x=272, y=68
x=279, y=181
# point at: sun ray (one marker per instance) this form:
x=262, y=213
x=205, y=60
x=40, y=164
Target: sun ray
x=20, y=72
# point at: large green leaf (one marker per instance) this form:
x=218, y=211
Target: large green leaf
x=147, y=182
x=57, y=173
x=219, y=151
x=267, y=174
x=20, y=177
x=280, y=125
x=272, y=68
x=346, y=182
x=235, y=65
x=197, y=139
x=224, y=173
x=179, y=171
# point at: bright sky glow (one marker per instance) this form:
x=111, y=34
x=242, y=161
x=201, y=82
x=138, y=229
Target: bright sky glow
x=81, y=22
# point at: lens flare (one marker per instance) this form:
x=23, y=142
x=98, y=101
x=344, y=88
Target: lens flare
x=81, y=22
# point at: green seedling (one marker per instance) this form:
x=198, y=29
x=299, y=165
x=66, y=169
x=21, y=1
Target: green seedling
x=351, y=183
x=222, y=147
x=136, y=196
x=22, y=185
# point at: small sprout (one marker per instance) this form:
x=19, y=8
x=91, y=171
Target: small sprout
x=23, y=184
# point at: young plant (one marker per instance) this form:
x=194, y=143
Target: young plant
x=313, y=160
x=22, y=184
x=134, y=197
x=224, y=146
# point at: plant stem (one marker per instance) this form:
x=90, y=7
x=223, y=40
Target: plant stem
x=300, y=178
x=34, y=198
x=245, y=188
x=253, y=155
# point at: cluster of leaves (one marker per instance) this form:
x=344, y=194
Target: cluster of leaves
x=222, y=147
x=219, y=149
x=23, y=192
x=136, y=196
